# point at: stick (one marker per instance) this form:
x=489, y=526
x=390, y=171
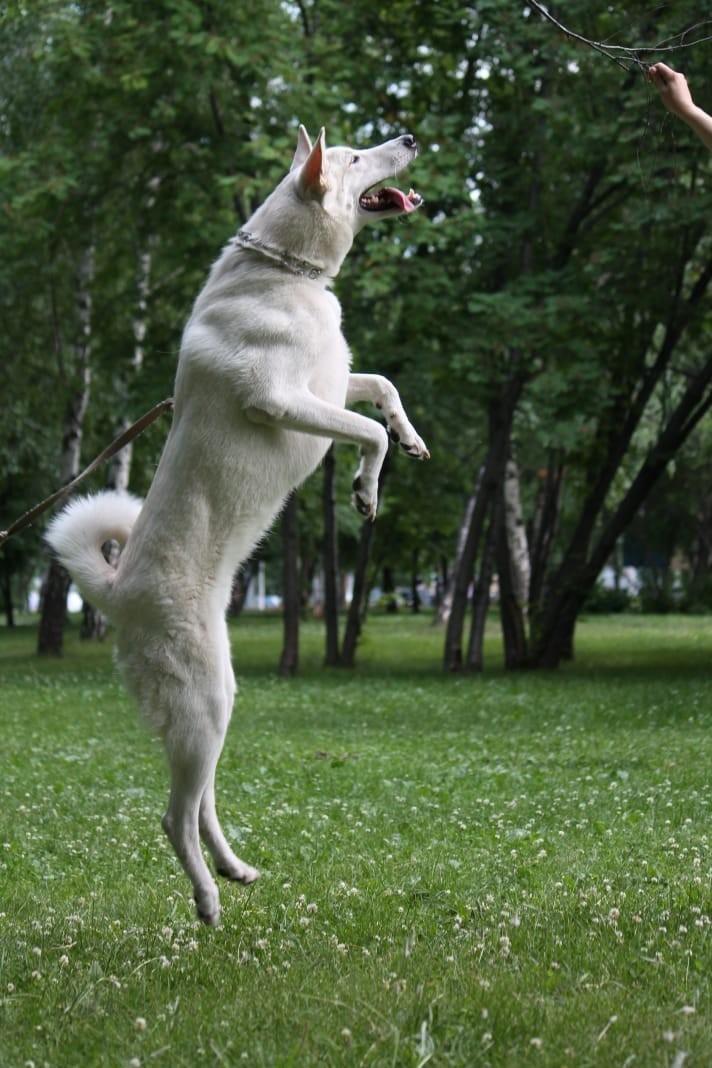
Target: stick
x=607, y=50
x=123, y=439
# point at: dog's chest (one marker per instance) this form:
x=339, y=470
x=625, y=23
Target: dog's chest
x=328, y=359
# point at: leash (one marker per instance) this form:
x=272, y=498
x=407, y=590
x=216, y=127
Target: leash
x=123, y=439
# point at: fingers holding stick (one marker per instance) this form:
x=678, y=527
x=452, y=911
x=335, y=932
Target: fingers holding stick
x=673, y=88
x=677, y=98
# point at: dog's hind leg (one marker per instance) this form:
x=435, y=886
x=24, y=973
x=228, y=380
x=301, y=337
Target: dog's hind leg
x=227, y=863
x=192, y=756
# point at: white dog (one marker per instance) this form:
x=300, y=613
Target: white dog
x=261, y=387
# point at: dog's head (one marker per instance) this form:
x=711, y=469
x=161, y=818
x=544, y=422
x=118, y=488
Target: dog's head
x=328, y=196
x=344, y=181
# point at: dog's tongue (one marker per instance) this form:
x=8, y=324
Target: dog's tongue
x=389, y=198
x=405, y=203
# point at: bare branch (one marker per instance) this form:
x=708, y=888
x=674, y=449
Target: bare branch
x=621, y=54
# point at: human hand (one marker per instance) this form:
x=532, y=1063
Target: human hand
x=673, y=89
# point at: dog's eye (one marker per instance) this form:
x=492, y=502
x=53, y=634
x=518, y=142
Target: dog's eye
x=355, y=159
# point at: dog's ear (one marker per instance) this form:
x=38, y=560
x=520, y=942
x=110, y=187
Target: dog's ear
x=304, y=147
x=313, y=177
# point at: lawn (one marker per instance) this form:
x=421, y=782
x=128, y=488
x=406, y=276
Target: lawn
x=491, y=870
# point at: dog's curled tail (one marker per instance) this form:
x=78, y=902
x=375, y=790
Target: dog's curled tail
x=78, y=533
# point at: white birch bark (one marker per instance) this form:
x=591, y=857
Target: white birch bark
x=119, y=471
x=443, y=613
x=516, y=534
x=79, y=399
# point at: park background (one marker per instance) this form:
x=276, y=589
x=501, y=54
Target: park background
x=463, y=862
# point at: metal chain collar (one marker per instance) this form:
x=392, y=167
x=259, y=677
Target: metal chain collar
x=293, y=263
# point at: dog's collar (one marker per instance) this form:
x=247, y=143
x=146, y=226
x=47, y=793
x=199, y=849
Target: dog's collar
x=293, y=263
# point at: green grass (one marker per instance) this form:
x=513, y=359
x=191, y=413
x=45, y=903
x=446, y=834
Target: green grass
x=493, y=870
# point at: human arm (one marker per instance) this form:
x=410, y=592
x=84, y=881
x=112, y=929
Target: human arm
x=677, y=98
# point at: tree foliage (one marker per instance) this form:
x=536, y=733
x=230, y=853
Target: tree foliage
x=549, y=302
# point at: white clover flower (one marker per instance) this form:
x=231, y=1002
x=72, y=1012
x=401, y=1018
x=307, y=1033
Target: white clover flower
x=139, y=1024
x=536, y=1043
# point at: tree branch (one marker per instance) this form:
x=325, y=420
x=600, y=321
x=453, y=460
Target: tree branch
x=618, y=53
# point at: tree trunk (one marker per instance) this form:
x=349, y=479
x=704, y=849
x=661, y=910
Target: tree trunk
x=501, y=414
x=545, y=524
x=359, y=599
x=701, y=554
x=119, y=471
x=238, y=594
x=516, y=534
x=445, y=604
x=331, y=561
x=50, y=638
x=355, y=615
x=289, y=660
x=94, y=622
x=510, y=606
x=414, y=583
x=388, y=589
x=463, y=571
x=7, y=592
x=513, y=569
x=555, y=624
x=481, y=596
x=556, y=619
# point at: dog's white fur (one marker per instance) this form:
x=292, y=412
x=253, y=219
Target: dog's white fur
x=262, y=383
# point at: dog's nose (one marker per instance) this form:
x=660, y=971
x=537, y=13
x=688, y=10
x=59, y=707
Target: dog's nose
x=409, y=141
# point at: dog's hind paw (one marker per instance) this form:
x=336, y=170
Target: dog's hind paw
x=239, y=873
x=208, y=909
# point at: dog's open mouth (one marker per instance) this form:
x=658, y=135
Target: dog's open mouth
x=390, y=199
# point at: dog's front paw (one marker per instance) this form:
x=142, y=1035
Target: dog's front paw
x=402, y=433
x=413, y=446
x=364, y=502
